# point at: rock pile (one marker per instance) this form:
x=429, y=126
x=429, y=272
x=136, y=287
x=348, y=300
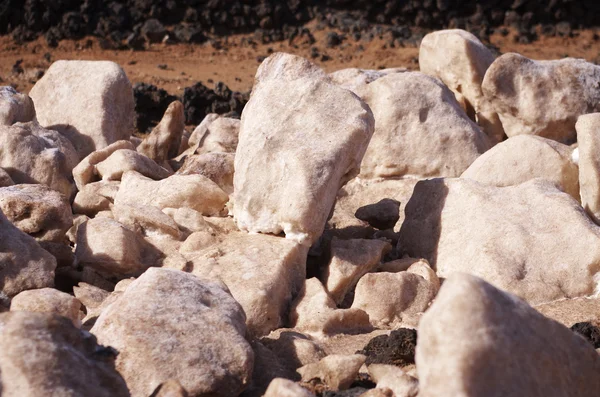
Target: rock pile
x=360, y=233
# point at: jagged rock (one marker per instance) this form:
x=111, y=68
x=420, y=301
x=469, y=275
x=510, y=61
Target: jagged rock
x=198, y=320
x=476, y=340
x=85, y=172
x=43, y=354
x=89, y=102
x=336, y=371
x=163, y=142
x=192, y=191
x=420, y=130
x=48, y=300
x=37, y=210
x=460, y=60
x=15, y=107
x=525, y=157
x=502, y=235
x=588, y=139
x=32, y=154
x=294, y=155
x=542, y=97
x=123, y=160
x=95, y=197
x=217, y=166
x=280, y=387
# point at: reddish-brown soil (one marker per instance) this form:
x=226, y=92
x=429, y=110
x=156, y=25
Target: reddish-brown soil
x=235, y=64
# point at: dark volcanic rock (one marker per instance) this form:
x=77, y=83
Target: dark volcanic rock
x=199, y=100
x=396, y=349
x=381, y=215
x=589, y=332
x=150, y=105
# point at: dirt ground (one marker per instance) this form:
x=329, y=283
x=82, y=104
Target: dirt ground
x=176, y=66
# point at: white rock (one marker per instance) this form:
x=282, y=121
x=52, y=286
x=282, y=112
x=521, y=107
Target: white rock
x=85, y=172
x=37, y=210
x=301, y=138
x=163, y=142
x=356, y=80
x=476, y=340
x=460, y=60
x=170, y=324
x=32, y=154
x=420, y=129
x=123, y=160
x=336, y=371
x=525, y=157
x=280, y=387
x=48, y=300
x=15, y=107
x=89, y=102
x=192, y=191
x=542, y=97
x=393, y=378
x=513, y=237
x=215, y=134
x=588, y=138
x=218, y=167
x=350, y=260
x=264, y=273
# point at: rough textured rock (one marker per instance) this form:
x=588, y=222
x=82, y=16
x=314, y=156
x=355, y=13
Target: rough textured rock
x=571, y=311
x=421, y=131
x=513, y=237
x=23, y=263
x=37, y=210
x=32, y=154
x=362, y=192
x=192, y=191
x=95, y=197
x=43, y=354
x=336, y=371
x=397, y=348
x=295, y=149
x=85, y=172
x=15, y=107
x=525, y=157
x=170, y=324
x=48, y=300
x=314, y=311
x=5, y=179
x=163, y=142
x=264, y=273
x=393, y=378
x=286, y=388
x=588, y=139
x=476, y=340
x=170, y=388
x=350, y=260
x=542, y=97
x=123, y=160
x=391, y=299
x=356, y=80
x=215, y=134
x=295, y=349
x=589, y=331
x=218, y=167
x=460, y=60
x=146, y=220
x=89, y=102
x=113, y=250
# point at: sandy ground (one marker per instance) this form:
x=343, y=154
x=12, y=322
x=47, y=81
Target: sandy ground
x=182, y=65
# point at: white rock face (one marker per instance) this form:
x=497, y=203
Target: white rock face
x=164, y=140
x=336, y=371
x=15, y=107
x=420, y=129
x=170, y=324
x=123, y=160
x=314, y=311
x=32, y=154
x=264, y=273
x=525, y=157
x=218, y=167
x=460, y=60
x=280, y=387
x=542, y=97
x=588, y=138
x=350, y=260
x=43, y=354
x=192, y=191
x=95, y=197
x=513, y=237
x=48, y=300
x=89, y=102
x=393, y=299
x=37, y=210
x=476, y=340
x=24, y=264
x=356, y=80
x=113, y=250
x=214, y=134
x=301, y=138
x=395, y=379
x=85, y=172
